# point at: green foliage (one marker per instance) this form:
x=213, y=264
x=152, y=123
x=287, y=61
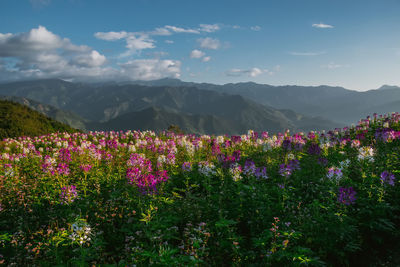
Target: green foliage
x=79, y=199
x=18, y=120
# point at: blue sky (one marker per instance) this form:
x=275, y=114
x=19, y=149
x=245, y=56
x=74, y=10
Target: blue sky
x=355, y=44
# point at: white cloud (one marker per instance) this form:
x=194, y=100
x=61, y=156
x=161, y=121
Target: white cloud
x=40, y=53
x=209, y=43
x=111, y=36
x=255, y=28
x=307, y=53
x=209, y=27
x=150, y=69
x=333, y=65
x=161, y=32
x=206, y=59
x=253, y=72
x=94, y=59
x=197, y=54
x=135, y=42
x=181, y=30
x=322, y=26
x=140, y=42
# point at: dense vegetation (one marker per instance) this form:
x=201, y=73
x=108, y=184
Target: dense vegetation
x=182, y=200
x=18, y=120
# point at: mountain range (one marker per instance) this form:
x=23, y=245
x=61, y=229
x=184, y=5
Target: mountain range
x=334, y=103
x=200, y=108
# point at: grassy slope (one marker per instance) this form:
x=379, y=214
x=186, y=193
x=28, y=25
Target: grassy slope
x=19, y=120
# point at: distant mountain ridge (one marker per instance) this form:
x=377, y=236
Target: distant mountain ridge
x=102, y=105
x=333, y=103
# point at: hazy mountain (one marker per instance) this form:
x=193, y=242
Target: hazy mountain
x=158, y=119
x=334, y=103
x=385, y=87
x=106, y=102
x=19, y=120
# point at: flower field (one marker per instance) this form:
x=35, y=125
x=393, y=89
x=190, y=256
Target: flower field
x=137, y=198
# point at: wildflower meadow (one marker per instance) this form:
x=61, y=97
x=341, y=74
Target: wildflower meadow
x=140, y=198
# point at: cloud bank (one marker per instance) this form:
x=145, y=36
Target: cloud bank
x=39, y=53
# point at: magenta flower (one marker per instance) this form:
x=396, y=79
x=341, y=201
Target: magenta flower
x=64, y=155
x=85, y=168
x=63, y=169
x=140, y=173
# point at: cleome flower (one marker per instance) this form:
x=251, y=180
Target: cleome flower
x=366, y=153
x=347, y=195
x=81, y=232
x=68, y=194
x=235, y=171
x=388, y=178
x=334, y=173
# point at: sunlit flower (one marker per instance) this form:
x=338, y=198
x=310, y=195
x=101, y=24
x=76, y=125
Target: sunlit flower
x=68, y=194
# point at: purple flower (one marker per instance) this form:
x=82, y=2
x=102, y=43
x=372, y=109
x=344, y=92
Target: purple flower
x=385, y=134
x=187, y=166
x=287, y=169
x=68, y=194
x=287, y=145
x=314, y=149
x=335, y=173
x=323, y=161
x=387, y=177
x=347, y=195
x=249, y=167
x=261, y=172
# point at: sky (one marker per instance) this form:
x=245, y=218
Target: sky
x=354, y=44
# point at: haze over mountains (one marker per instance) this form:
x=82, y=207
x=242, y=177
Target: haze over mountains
x=200, y=107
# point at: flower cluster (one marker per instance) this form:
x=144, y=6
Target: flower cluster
x=286, y=170
x=366, y=153
x=387, y=178
x=347, y=195
x=68, y=194
x=235, y=171
x=206, y=168
x=334, y=173
x=141, y=174
x=81, y=232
